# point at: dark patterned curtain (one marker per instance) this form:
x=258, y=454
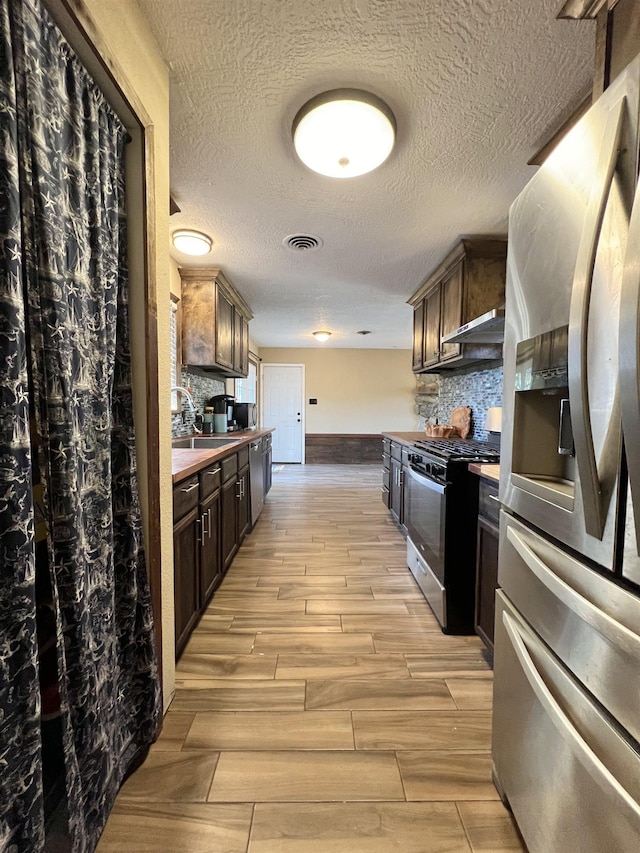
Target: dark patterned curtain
x=21, y=806
x=65, y=351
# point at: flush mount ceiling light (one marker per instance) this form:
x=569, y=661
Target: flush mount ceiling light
x=192, y=242
x=344, y=133
x=322, y=336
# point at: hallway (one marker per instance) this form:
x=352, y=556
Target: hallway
x=319, y=708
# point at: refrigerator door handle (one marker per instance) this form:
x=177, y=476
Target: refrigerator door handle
x=619, y=635
x=628, y=357
x=594, y=512
x=562, y=723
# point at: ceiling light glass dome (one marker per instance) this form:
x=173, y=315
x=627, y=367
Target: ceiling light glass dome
x=191, y=242
x=344, y=133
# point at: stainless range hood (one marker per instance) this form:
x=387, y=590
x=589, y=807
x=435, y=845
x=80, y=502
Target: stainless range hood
x=487, y=329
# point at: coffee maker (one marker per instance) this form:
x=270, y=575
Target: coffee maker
x=223, y=413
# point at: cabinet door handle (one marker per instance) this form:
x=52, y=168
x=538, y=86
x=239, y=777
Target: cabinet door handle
x=189, y=488
x=209, y=517
x=494, y=498
x=239, y=492
x=203, y=519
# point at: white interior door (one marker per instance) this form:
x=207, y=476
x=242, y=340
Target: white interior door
x=283, y=408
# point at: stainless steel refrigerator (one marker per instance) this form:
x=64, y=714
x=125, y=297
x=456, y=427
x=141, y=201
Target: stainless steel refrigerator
x=566, y=722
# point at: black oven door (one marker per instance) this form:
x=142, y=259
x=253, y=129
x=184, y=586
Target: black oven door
x=425, y=519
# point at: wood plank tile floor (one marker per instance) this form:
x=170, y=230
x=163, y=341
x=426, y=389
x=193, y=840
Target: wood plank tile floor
x=319, y=708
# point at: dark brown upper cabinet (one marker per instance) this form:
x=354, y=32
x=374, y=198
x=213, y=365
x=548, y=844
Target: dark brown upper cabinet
x=469, y=282
x=215, y=323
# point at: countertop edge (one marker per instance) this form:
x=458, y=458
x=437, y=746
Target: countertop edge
x=487, y=470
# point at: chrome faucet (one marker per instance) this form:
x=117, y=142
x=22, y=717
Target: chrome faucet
x=190, y=403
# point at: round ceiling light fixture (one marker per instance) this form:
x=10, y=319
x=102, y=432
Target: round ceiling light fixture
x=191, y=242
x=322, y=336
x=344, y=133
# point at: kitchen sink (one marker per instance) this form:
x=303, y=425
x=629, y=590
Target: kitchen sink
x=204, y=442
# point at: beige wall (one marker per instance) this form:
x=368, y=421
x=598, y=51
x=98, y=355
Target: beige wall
x=174, y=278
x=358, y=391
x=117, y=31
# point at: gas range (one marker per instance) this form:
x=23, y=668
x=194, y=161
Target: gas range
x=441, y=508
x=460, y=450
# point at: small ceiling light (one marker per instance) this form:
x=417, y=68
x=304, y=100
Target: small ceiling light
x=192, y=242
x=344, y=133
x=322, y=336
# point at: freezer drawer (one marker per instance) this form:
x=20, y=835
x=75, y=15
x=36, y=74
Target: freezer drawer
x=570, y=777
x=587, y=620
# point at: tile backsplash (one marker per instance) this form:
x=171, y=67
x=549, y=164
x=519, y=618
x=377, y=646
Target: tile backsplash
x=477, y=387
x=203, y=386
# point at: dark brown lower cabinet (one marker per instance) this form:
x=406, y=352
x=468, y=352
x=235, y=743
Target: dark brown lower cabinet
x=212, y=515
x=487, y=560
x=186, y=547
x=243, y=503
x=396, y=502
x=386, y=472
x=210, y=563
x=229, y=521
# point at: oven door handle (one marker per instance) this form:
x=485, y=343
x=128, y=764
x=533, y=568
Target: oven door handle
x=428, y=482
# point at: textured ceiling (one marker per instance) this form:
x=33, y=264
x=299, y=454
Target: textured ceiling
x=477, y=86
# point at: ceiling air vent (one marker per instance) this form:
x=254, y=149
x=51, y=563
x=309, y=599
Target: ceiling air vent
x=302, y=242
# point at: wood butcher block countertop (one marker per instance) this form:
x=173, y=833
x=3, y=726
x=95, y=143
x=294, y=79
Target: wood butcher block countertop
x=185, y=461
x=484, y=469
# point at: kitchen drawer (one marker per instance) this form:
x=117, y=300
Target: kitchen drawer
x=229, y=467
x=386, y=461
x=405, y=455
x=386, y=446
x=243, y=457
x=185, y=497
x=488, y=504
x=210, y=480
x=396, y=451
x=267, y=441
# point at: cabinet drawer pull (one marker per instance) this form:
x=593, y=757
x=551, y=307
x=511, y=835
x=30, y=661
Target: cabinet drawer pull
x=189, y=488
x=213, y=473
x=494, y=498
